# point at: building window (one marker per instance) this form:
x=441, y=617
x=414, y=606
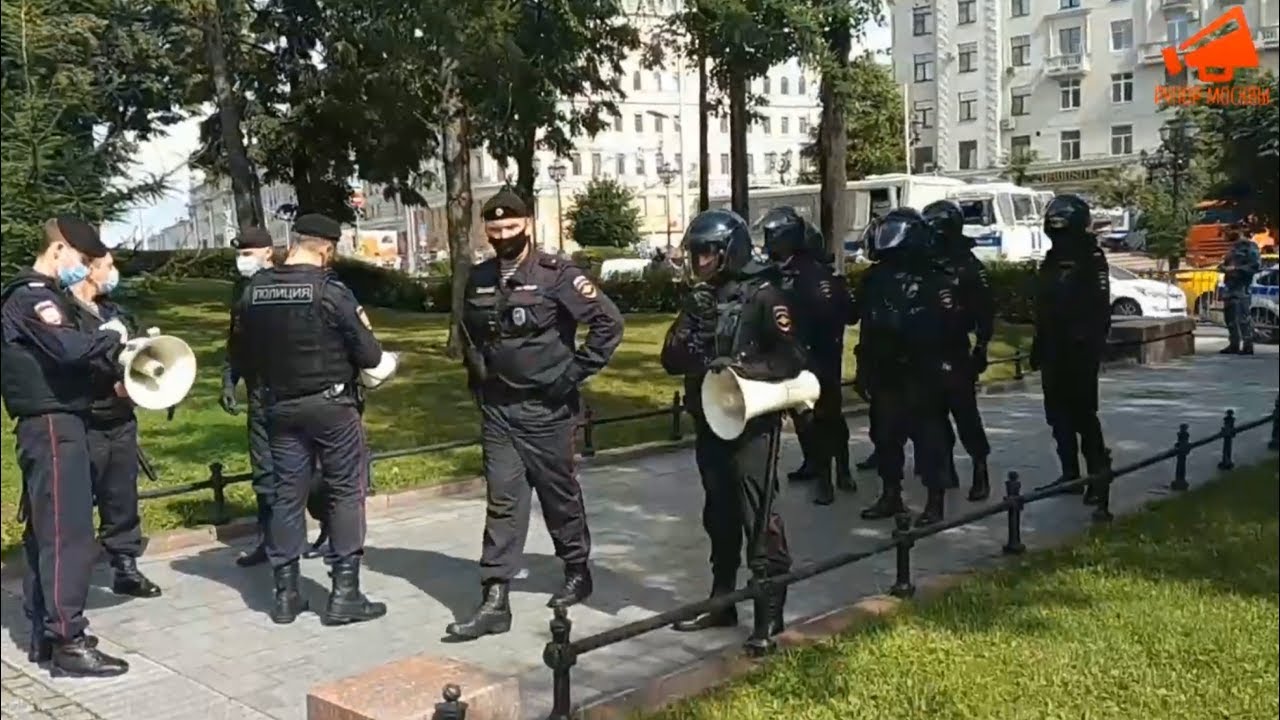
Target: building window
x=1069, y=94
x=1177, y=29
x=784, y=86
x=920, y=18
x=1068, y=4
x=922, y=70
x=617, y=123
x=597, y=165
x=800, y=86
x=771, y=162
x=635, y=80
x=922, y=159
x=657, y=123
x=724, y=163
x=751, y=164
x=724, y=124
x=784, y=125
x=968, y=154
x=620, y=164
x=1121, y=35
x=1069, y=41
x=968, y=107
x=1019, y=103
x=804, y=126
x=969, y=57
x=639, y=122
x=1019, y=8
x=1020, y=50
x=767, y=85
x=1121, y=139
x=766, y=124
x=640, y=163
x=575, y=159
x=1019, y=146
x=1069, y=145
x=967, y=12
x=657, y=80
x=676, y=162
x=1122, y=87
x=922, y=113
x=1178, y=79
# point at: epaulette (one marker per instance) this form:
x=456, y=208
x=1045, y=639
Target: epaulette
x=548, y=261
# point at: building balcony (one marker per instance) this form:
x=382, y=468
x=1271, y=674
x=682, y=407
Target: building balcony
x=1179, y=5
x=1268, y=37
x=1066, y=65
x=1150, y=53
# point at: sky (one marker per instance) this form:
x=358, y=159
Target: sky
x=168, y=153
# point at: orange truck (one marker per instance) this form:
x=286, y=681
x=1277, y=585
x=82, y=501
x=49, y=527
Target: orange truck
x=1207, y=238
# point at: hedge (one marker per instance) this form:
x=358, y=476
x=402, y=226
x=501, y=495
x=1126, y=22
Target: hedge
x=1013, y=283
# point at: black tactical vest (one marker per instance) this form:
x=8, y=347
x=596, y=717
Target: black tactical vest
x=295, y=350
x=31, y=383
x=733, y=301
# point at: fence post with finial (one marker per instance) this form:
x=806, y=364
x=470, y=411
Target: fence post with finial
x=676, y=412
x=1013, y=499
x=559, y=656
x=902, y=586
x=1228, y=440
x=219, y=485
x=452, y=708
x=1275, y=425
x=588, y=429
x=1183, y=448
x=1101, y=491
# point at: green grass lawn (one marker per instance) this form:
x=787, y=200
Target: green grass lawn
x=426, y=403
x=1172, y=613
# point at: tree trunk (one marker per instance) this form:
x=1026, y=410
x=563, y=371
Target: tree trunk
x=457, y=187
x=833, y=145
x=704, y=134
x=244, y=188
x=526, y=179
x=739, y=180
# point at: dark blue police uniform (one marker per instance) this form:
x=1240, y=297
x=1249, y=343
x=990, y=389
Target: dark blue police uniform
x=47, y=389
x=304, y=337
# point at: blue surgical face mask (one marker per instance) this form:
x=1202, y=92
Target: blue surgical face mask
x=72, y=275
x=111, y=283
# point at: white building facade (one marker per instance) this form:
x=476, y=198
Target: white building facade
x=1073, y=82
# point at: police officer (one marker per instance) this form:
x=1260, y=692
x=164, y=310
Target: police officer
x=1072, y=320
x=113, y=437
x=519, y=321
x=823, y=302
x=48, y=389
x=304, y=338
x=1242, y=262
x=908, y=308
x=736, y=316
x=977, y=304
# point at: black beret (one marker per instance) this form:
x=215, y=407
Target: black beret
x=81, y=235
x=251, y=238
x=506, y=204
x=318, y=226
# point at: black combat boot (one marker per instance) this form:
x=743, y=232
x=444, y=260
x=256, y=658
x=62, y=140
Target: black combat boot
x=844, y=477
x=346, y=603
x=887, y=505
x=869, y=463
x=78, y=658
x=1097, y=463
x=772, y=607
x=981, y=488
x=493, y=617
x=728, y=617
x=288, y=600
x=577, y=587
x=40, y=650
x=1246, y=349
x=256, y=556
x=129, y=581
x=824, y=492
x=802, y=474
x=1230, y=349
x=933, y=508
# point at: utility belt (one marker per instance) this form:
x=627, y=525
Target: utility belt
x=337, y=391
x=497, y=392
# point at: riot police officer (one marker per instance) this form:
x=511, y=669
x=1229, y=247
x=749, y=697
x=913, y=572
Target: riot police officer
x=1241, y=263
x=908, y=308
x=822, y=304
x=48, y=389
x=735, y=316
x=973, y=292
x=113, y=437
x=304, y=338
x=1072, y=320
x=521, y=314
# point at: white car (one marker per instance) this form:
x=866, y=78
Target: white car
x=1135, y=296
x=1264, y=304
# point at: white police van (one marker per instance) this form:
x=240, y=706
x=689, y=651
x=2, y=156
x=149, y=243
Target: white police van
x=1004, y=220
x=1264, y=294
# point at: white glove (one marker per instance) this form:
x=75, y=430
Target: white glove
x=153, y=332
x=116, y=327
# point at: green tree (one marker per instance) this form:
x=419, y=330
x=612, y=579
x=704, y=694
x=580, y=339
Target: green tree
x=1124, y=187
x=1241, y=145
x=1016, y=167
x=604, y=215
x=873, y=122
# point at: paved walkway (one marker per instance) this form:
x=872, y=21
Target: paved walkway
x=206, y=650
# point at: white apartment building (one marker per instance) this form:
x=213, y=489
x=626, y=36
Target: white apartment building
x=1072, y=81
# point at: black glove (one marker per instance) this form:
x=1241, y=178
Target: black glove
x=228, y=399
x=562, y=388
x=979, y=359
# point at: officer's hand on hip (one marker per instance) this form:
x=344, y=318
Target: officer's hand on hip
x=228, y=399
x=562, y=388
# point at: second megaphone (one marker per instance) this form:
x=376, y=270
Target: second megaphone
x=729, y=400
x=158, y=371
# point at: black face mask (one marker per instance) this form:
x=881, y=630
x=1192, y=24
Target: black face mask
x=509, y=248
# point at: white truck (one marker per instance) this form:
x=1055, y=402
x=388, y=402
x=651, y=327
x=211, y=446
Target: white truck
x=1006, y=221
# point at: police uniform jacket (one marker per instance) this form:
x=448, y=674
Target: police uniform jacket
x=975, y=296
x=300, y=331
x=107, y=407
x=45, y=355
x=1073, y=303
x=820, y=299
x=909, y=315
x=230, y=372
x=522, y=329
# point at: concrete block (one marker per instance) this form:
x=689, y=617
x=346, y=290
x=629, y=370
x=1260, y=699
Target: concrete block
x=409, y=689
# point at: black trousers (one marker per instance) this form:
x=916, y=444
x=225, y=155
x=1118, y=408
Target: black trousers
x=58, y=536
x=961, y=395
x=113, y=464
x=824, y=433
x=262, y=473
x=528, y=447
x=740, y=488
x=1070, y=385
x=910, y=412
x=313, y=433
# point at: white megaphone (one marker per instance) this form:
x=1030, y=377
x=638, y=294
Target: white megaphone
x=729, y=401
x=386, y=367
x=159, y=370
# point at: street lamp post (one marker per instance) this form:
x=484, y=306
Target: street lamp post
x=536, y=166
x=666, y=174
x=684, y=185
x=1171, y=159
x=557, y=172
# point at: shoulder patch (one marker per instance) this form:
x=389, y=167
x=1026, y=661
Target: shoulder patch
x=282, y=295
x=782, y=318
x=585, y=287
x=49, y=312
x=824, y=288
x=364, y=317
